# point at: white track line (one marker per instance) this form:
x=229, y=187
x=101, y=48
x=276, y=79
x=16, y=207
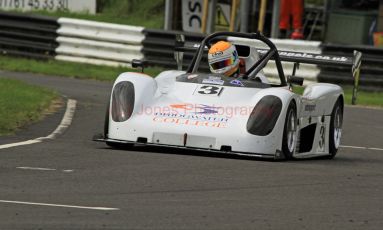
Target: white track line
x=359, y=147
x=19, y=144
x=44, y=169
x=36, y=168
x=59, y=205
x=377, y=149
x=65, y=123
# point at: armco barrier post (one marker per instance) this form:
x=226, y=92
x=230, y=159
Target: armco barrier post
x=357, y=61
x=356, y=86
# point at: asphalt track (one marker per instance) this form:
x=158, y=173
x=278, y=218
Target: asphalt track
x=73, y=183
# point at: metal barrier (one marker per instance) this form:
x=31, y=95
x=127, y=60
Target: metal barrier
x=98, y=43
x=158, y=47
x=371, y=76
x=28, y=35
x=307, y=71
x=117, y=45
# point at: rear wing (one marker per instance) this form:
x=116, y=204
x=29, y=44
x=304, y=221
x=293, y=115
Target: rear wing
x=353, y=63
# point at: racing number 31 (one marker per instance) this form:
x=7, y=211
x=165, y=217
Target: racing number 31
x=210, y=90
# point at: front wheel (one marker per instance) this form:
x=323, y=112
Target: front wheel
x=106, y=121
x=289, y=140
x=335, y=128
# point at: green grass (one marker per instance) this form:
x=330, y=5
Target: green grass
x=365, y=98
x=146, y=13
x=67, y=69
x=21, y=104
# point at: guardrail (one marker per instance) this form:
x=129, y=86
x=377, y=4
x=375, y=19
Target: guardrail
x=307, y=71
x=98, y=43
x=371, y=76
x=158, y=47
x=117, y=45
x=28, y=35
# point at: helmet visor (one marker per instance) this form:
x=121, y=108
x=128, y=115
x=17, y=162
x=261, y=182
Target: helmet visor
x=222, y=64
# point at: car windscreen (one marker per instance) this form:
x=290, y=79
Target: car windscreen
x=220, y=79
x=248, y=57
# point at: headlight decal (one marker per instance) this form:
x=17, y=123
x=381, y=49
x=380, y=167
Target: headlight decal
x=264, y=116
x=122, y=101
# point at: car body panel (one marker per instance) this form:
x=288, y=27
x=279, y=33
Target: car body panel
x=192, y=110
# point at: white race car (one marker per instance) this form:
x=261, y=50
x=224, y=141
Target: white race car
x=251, y=115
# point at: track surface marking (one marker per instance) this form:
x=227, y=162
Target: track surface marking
x=65, y=123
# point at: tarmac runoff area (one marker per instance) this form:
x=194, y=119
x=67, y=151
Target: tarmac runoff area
x=66, y=181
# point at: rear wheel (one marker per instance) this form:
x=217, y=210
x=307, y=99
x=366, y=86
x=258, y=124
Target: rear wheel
x=290, y=132
x=335, y=128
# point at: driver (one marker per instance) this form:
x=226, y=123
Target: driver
x=223, y=59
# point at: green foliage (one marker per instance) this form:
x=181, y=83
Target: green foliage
x=21, y=104
x=364, y=97
x=146, y=13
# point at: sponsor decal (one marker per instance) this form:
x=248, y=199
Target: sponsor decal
x=192, y=115
x=310, y=108
x=308, y=56
x=183, y=121
x=218, y=53
x=192, y=76
x=214, y=78
x=213, y=81
x=195, y=108
x=209, y=90
x=201, y=112
x=236, y=82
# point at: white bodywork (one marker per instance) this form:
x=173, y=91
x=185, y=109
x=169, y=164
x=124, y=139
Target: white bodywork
x=168, y=112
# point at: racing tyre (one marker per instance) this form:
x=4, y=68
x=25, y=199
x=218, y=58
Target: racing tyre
x=106, y=122
x=335, y=128
x=289, y=140
x=106, y=127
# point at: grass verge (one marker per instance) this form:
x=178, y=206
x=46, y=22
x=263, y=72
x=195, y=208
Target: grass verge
x=21, y=104
x=365, y=98
x=67, y=69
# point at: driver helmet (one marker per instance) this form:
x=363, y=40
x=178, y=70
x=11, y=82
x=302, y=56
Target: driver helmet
x=223, y=58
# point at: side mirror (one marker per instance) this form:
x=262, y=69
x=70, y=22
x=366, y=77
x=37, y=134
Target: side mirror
x=293, y=80
x=138, y=64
